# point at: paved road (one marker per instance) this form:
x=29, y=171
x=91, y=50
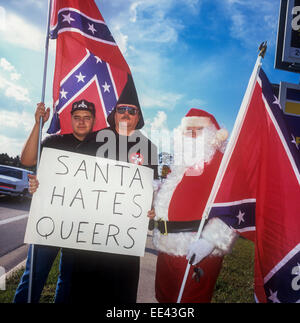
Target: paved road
x=13, y=220
x=147, y=274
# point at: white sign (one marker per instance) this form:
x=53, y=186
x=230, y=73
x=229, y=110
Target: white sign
x=90, y=203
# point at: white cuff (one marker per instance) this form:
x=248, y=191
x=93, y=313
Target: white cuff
x=220, y=235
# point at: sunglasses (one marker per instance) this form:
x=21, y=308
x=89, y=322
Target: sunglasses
x=130, y=110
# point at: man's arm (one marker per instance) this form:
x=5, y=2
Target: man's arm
x=30, y=149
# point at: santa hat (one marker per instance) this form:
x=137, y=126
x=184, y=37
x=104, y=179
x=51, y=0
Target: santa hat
x=199, y=118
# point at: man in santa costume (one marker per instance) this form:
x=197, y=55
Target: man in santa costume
x=179, y=205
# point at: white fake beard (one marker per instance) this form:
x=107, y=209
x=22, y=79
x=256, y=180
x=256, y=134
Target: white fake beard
x=192, y=166
x=194, y=152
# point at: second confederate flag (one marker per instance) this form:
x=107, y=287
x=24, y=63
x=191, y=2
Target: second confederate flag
x=88, y=62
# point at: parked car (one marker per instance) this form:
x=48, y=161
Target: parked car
x=14, y=181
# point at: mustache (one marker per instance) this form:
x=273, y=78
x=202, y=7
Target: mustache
x=125, y=117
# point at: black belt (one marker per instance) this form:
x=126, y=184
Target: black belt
x=166, y=227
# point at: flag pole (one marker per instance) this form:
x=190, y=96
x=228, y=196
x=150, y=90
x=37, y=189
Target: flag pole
x=227, y=154
x=44, y=76
x=40, y=136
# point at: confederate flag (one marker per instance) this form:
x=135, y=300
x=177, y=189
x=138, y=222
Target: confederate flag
x=89, y=64
x=259, y=192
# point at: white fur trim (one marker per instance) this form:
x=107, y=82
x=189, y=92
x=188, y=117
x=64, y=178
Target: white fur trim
x=165, y=193
x=195, y=122
x=175, y=244
x=221, y=235
x=215, y=231
x=222, y=135
x=219, y=142
x=156, y=184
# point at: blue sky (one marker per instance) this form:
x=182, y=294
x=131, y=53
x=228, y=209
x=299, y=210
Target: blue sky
x=182, y=54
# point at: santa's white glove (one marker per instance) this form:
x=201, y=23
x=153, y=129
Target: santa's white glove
x=201, y=249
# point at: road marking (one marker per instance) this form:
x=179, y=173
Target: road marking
x=15, y=218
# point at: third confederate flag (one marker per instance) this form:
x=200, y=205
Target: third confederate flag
x=259, y=194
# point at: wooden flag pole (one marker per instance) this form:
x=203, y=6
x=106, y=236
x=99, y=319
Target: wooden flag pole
x=29, y=300
x=227, y=155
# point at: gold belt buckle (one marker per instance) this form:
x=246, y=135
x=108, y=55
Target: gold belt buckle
x=165, y=223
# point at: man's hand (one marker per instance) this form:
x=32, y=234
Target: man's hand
x=41, y=112
x=198, y=250
x=33, y=183
x=151, y=214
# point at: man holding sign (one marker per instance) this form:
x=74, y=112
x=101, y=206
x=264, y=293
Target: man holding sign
x=108, y=277
x=100, y=205
x=82, y=119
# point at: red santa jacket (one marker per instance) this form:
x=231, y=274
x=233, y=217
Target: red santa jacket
x=191, y=194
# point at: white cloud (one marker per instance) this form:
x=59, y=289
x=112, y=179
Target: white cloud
x=16, y=120
x=145, y=31
x=12, y=90
x=40, y=4
x=194, y=5
x=160, y=9
x=159, y=120
x=11, y=146
x=156, y=99
x=120, y=38
x=2, y=18
x=252, y=21
x=161, y=32
x=157, y=131
x=15, y=76
x=15, y=128
x=6, y=65
x=9, y=87
x=140, y=59
x=133, y=10
x=150, y=21
x=20, y=32
x=196, y=103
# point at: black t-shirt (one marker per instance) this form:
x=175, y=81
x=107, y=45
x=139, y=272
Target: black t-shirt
x=66, y=142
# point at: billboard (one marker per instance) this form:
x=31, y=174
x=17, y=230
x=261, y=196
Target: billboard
x=288, y=37
x=289, y=98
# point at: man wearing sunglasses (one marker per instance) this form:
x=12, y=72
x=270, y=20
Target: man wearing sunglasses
x=123, y=140
x=104, y=277
x=126, y=118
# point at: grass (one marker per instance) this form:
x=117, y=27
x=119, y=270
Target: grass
x=234, y=285
x=47, y=294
